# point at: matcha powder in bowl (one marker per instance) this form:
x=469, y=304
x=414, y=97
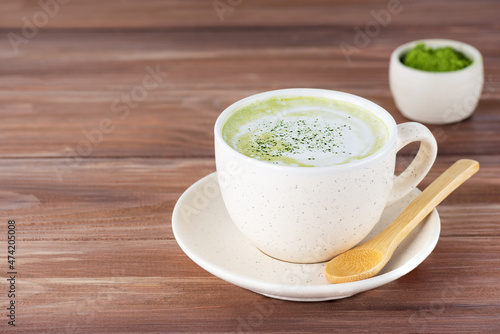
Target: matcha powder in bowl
x=436, y=81
x=441, y=59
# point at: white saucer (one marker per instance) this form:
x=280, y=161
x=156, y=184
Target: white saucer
x=205, y=232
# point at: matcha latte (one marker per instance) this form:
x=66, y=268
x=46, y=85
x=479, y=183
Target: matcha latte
x=304, y=131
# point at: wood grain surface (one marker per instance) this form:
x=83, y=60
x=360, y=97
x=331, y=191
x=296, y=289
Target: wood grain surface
x=107, y=111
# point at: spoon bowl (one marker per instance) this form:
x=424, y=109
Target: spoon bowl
x=355, y=265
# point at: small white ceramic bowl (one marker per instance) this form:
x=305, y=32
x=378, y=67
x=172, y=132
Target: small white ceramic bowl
x=436, y=97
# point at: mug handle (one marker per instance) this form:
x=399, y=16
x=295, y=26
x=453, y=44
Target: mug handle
x=421, y=164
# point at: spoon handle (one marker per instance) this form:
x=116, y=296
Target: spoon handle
x=421, y=206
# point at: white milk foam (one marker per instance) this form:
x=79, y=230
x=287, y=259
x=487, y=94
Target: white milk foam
x=309, y=136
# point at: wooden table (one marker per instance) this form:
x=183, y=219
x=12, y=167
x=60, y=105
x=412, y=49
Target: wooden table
x=107, y=109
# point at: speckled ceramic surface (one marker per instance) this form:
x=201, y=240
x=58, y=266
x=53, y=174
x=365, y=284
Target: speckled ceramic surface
x=310, y=214
x=205, y=232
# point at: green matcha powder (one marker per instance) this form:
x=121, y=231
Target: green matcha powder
x=425, y=58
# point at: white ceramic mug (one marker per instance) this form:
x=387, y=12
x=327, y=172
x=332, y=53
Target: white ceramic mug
x=311, y=214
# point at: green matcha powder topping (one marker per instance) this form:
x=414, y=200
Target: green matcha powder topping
x=281, y=138
x=442, y=59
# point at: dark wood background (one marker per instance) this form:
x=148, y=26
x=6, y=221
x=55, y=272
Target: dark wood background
x=91, y=176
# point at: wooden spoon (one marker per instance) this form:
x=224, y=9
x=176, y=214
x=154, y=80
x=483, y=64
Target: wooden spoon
x=366, y=260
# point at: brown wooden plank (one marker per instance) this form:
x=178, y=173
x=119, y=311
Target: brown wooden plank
x=189, y=14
